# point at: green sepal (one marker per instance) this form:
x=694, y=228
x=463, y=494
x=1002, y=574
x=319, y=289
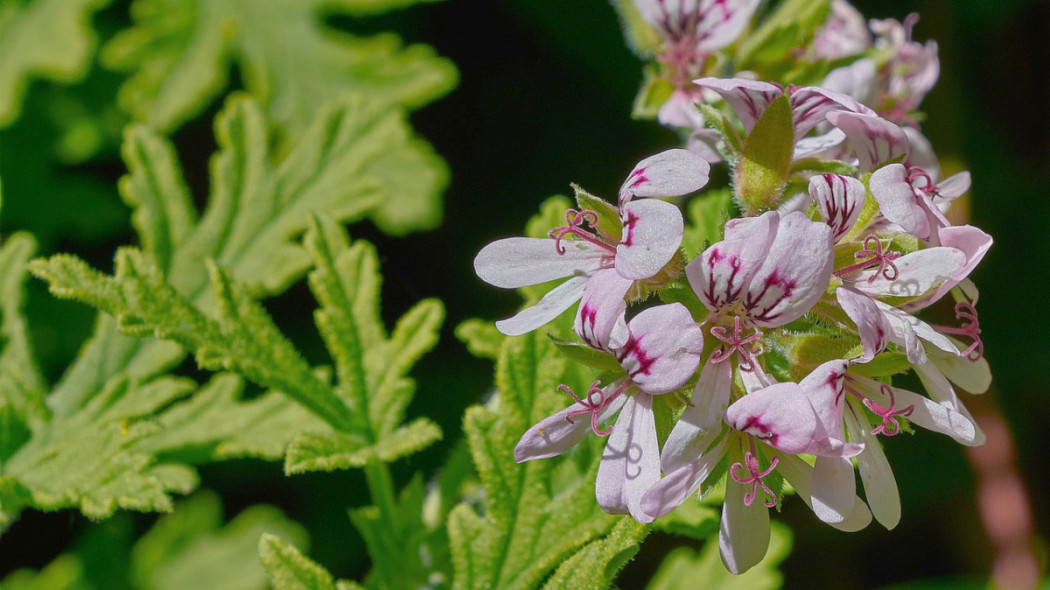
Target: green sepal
x=883, y=365
x=609, y=226
x=586, y=355
x=817, y=166
x=655, y=91
x=716, y=120
x=643, y=40
x=790, y=25
x=808, y=351
x=766, y=160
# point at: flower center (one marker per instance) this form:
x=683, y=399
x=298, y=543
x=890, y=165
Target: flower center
x=574, y=221
x=744, y=347
x=753, y=475
x=594, y=402
x=884, y=259
x=889, y=426
x=972, y=329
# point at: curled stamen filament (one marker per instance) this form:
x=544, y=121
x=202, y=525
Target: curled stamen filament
x=744, y=347
x=972, y=328
x=753, y=475
x=916, y=174
x=574, y=221
x=591, y=405
x=873, y=248
x=889, y=426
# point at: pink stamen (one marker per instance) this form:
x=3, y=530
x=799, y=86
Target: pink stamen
x=754, y=477
x=744, y=347
x=574, y=220
x=920, y=180
x=591, y=405
x=965, y=311
x=889, y=426
x=873, y=248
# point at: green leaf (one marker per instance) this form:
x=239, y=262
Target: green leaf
x=586, y=355
x=707, y=215
x=288, y=569
x=692, y=519
x=482, y=338
x=328, y=452
x=50, y=39
x=683, y=567
x=653, y=94
x=537, y=514
x=766, y=160
x=180, y=53
x=595, y=566
x=191, y=548
x=790, y=25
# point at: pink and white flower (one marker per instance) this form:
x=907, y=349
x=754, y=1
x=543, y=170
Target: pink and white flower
x=659, y=350
x=601, y=268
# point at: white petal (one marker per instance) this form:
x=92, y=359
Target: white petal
x=839, y=200
x=906, y=330
x=601, y=307
x=934, y=416
x=667, y=174
x=671, y=491
x=834, y=489
x=810, y=105
x=897, y=200
x=824, y=388
x=972, y=376
x=554, y=435
x=743, y=535
x=652, y=233
x=855, y=79
x=799, y=474
x=721, y=22
x=519, y=262
x=973, y=243
x=872, y=326
x=630, y=463
x=722, y=272
x=917, y=273
x=955, y=185
x=880, y=487
x=809, y=146
x=941, y=390
x=546, y=309
x=701, y=423
x=794, y=274
x=779, y=415
x=663, y=348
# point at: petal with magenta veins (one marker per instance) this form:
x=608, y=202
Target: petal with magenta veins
x=875, y=140
x=800, y=475
x=519, y=262
x=810, y=106
x=824, y=387
x=931, y=415
x=721, y=22
x=809, y=146
x=839, y=200
x=546, y=309
x=667, y=174
x=602, y=305
x=748, y=98
x=917, y=273
x=630, y=464
x=674, y=489
x=794, y=274
x=873, y=328
x=701, y=422
x=897, y=200
x=555, y=434
x=722, y=272
x=743, y=534
x=663, y=348
x=652, y=233
x=880, y=486
x=779, y=415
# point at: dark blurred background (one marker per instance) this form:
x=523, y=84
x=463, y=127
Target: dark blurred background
x=544, y=100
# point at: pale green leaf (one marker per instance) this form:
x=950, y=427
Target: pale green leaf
x=595, y=566
x=684, y=567
x=692, y=519
x=180, y=53
x=482, y=338
x=791, y=24
x=706, y=219
x=289, y=569
x=64, y=573
x=50, y=39
x=329, y=452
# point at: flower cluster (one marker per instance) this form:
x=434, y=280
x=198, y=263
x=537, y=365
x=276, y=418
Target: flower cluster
x=779, y=365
